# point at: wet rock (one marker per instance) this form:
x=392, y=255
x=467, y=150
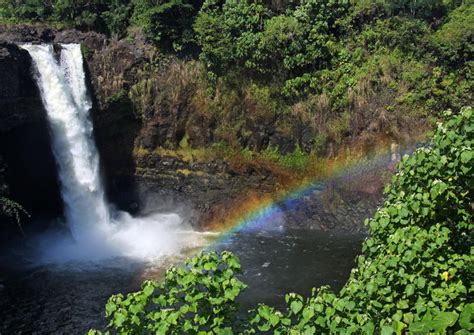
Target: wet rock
x=26, y=33
x=283, y=142
x=92, y=40
x=19, y=98
x=30, y=170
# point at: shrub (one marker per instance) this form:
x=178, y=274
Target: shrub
x=117, y=17
x=116, y=97
x=83, y=14
x=427, y=9
x=197, y=298
x=453, y=41
x=243, y=34
x=26, y=10
x=225, y=31
x=167, y=23
x=295, y=161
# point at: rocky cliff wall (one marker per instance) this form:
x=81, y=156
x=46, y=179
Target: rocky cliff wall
x=29, y=172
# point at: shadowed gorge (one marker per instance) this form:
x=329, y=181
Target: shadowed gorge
x=29, y=170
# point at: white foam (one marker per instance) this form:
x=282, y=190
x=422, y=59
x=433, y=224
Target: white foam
x=97, y=231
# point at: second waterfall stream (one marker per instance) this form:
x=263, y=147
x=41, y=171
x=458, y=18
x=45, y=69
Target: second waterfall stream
x=97, y=232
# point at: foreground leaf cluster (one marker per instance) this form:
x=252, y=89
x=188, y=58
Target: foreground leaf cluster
x=199, y=297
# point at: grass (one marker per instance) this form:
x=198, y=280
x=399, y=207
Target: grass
x=286, y=169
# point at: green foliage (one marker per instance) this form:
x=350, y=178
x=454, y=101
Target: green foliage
x=366, y=57
x=423, y=8
x=225, y=31
x=428, y=9
x=403, y=33
x=86, y=51
x=83, y=14
x=117, y=17
x=12, y=210
x=366, y=63
x=415, y=274
x=117, y=96
x=196, y=299
x=297, y=160
x=168, y=23
x=244, y=34
x=453, y=42
x=387, y=65
x=28, y=9
x=300, y=41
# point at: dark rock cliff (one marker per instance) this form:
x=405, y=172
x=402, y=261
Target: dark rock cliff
x=29, y=171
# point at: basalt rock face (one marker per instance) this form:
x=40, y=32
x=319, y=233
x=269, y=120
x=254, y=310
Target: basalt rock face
x=28, y=171
x=43, y=34
x=20, y=102
x=133, y=118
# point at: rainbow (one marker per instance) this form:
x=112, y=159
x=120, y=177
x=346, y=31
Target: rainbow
x=265, y=211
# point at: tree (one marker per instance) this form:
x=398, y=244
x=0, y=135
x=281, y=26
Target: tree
x=168, y=23
x=117, y=17
x=26, y=9
x=453, y=42
x=83, y=14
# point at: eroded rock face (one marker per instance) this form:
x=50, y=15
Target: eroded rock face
x=40, y=33
x=28, y=166
x=24, y=33
x=19, y=99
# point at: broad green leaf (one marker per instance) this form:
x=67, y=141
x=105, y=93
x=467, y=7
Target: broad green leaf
x=296, y=306
x=466, y=319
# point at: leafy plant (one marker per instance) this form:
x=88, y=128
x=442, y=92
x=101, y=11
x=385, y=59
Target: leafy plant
x=243, y=34
x=198, y=298
x=167, y=23
x=453, y=41
x=297, y=160
x=12, y=210
x=117, y=96
x=29, y=9
x=117, y=17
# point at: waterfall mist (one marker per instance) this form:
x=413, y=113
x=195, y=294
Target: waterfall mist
x=96, y=230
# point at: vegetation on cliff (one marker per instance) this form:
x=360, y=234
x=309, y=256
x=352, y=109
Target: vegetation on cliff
x=313, y=75
x=415, y=273
x=11, y=210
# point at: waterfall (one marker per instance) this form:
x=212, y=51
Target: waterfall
x=64, y=95
x=95, y=234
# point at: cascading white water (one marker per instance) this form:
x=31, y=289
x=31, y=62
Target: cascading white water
x=96, y=235
x=65, y=98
